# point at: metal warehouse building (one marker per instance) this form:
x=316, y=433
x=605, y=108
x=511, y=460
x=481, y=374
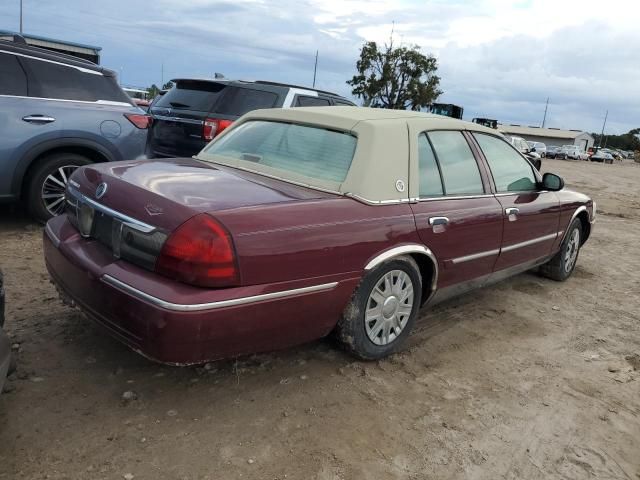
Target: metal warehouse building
x=88, y=52
x=549, y=136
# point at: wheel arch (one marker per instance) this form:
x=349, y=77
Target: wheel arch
x=32, y=158
x=583, y=215
x=423, y=256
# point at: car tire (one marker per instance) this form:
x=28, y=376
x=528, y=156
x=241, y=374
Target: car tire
x=543, y=155
x=561, y=266
x=49, y=178
x=374, y=335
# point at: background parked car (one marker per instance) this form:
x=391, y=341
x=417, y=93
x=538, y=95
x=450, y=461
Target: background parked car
x=602, y=156
x=57, y=113
x=523, y=147
x=571, y=151
x=193, y=111
x=552, y=151
x=538, y=147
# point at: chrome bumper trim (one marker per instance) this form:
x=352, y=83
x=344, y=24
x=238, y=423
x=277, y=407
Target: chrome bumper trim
x=52, y=236
x=180, y=307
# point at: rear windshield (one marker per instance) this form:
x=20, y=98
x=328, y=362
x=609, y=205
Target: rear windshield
x=311, y=152
x=192, y=95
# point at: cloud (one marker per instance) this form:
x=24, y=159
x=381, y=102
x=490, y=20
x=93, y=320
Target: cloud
x=497, y=58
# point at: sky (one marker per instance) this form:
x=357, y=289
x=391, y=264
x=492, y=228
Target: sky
x=497, y=59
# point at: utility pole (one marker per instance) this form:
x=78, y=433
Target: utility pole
x=162, y=76
x=544, y=119
x=602, y=132
x=21, y=17
x=315, y=69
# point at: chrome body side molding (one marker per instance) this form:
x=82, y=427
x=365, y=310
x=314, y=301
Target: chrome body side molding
x=194, y=307
x=533, y=241
x=475, y=256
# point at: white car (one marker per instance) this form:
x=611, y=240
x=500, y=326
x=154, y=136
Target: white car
x=539, y=148
x=573, y=152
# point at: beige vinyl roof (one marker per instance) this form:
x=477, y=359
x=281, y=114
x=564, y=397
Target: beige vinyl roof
x=519, y=130
x=382, y=156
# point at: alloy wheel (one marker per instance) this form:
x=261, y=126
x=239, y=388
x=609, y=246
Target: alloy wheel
x=571, y=253
x=53, y=189
x=389, y=307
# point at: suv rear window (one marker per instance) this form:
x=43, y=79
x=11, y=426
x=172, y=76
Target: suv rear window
x=192, y=95
x=304, y=101
x=312, y=152
x=52, y=80
x=238, y=101
x=13, y=81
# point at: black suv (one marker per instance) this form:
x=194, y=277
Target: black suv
x=193, y=112
x=59, y=112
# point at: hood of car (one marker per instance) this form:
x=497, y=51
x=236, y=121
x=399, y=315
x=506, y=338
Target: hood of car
x=166, y=192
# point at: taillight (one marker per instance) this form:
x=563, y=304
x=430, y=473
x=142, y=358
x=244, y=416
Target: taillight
x=213, y=126
x=199, y=252
x=139, y=120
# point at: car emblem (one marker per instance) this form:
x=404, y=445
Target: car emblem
x=400, y=186
x=101, y=190
x=153, y=209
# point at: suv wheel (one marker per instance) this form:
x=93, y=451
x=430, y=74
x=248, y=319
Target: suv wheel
x=47, y=183
x=382, y=310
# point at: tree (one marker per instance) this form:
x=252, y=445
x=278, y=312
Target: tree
x=626, y=141
x=399, y=78
x=167, y=85
x=153, y=91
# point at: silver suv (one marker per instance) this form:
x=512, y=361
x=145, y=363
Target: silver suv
x=58, y=112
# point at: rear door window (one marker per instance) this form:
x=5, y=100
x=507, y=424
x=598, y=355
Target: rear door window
x=238, y=101
x=459, y=168
x=13, y=80
x=192, y=95
x=304, y=101
x=57, y=81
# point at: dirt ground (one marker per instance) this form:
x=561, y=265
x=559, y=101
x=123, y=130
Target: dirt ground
x=528, y=379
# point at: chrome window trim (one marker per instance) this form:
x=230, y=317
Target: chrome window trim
x=178, y=119
x=454, y=197
x=379, y=202
x=97, y=102
x=533, y=241
x=52, y=236
x=194, y=307
x=403, y=250
x=84, y=70
x=475, y=256
x=130, y=221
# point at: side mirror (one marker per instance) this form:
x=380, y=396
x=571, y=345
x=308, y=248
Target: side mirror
x=552, y=182
x=533, y=149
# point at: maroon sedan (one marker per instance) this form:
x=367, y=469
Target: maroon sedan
x=300, y=222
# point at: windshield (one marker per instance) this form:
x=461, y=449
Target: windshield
x=285, y=148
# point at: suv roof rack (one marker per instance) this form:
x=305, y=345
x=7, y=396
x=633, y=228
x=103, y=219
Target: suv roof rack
x=278, y=84
x=21, y=46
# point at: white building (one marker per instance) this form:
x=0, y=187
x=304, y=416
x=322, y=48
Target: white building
x=549, y=136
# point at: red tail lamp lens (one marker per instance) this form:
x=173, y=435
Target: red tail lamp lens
x=199, y=252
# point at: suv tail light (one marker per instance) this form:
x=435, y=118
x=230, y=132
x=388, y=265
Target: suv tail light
x=213, y=126
x=199, y=252
x=139, y=120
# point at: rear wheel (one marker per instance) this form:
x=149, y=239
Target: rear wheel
x=382, y=311
x=561, y=266
x=47, y=183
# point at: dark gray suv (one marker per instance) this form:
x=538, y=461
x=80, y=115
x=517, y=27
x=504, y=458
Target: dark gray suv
x=58, y=112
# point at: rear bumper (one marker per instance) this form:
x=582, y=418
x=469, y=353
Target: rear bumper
x=179, y=324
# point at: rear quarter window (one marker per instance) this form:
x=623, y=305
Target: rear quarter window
x=52, y=80
x=13, y=80
x=303, y=101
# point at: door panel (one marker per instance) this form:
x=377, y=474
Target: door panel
x=468, y=243
x=529, y=232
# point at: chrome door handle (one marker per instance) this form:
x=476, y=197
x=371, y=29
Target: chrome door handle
x=512, y=213
x=38, y=119
x=433, y=221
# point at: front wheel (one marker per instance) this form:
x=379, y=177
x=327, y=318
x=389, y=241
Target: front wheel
x=561, y=266
x=382, y=311
x=47, y=183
